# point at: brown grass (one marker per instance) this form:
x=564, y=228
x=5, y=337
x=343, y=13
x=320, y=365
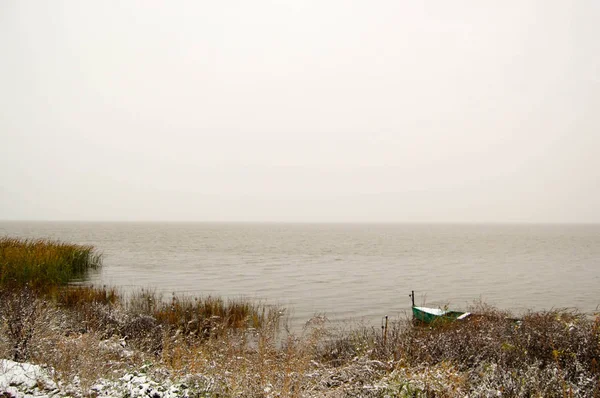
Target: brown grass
x=76, y=296
x=200, y=316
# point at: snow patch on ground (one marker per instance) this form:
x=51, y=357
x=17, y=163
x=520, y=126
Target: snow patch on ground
x=25, y=379
x=141, y=385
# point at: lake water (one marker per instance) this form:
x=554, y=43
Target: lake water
x=347, y=271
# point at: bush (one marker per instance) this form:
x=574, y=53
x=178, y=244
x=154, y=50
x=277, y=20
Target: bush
x=20, y=311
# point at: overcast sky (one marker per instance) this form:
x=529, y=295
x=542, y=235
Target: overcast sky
x=351, y=111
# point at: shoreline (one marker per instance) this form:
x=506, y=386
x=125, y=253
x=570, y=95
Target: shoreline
x=345, y=270
x=91, y=343
x=84, y=341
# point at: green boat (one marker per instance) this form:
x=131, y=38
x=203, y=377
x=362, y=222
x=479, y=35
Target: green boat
x=430, y=315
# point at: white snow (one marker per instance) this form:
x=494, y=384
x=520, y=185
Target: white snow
x=463, y=316
x=433, y=311
x=27, y=378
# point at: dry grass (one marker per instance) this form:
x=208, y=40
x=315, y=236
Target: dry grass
x=199, y=316
x=76, y=296
x=550, y=354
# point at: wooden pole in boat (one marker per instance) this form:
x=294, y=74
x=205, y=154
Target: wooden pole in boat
x=412, y=296
x=385, y=332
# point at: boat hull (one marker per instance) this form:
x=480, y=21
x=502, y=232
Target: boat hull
x=431, y=315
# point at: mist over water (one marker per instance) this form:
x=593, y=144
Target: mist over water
x=346, y=271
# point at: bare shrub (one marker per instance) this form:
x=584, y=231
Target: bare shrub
x=143, y=332
x=20, y=312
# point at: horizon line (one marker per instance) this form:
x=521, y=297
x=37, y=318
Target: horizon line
x=302, y=222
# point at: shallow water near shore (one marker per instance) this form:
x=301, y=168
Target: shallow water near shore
x=346, y=271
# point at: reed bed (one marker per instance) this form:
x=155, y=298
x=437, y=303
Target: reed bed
x=43, y=263
x=193, y=315
x=77, y=296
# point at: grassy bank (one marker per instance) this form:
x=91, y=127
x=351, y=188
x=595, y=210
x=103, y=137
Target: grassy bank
x=219, y=348
x=544, y=354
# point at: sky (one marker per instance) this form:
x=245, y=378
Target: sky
x=300, y=111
